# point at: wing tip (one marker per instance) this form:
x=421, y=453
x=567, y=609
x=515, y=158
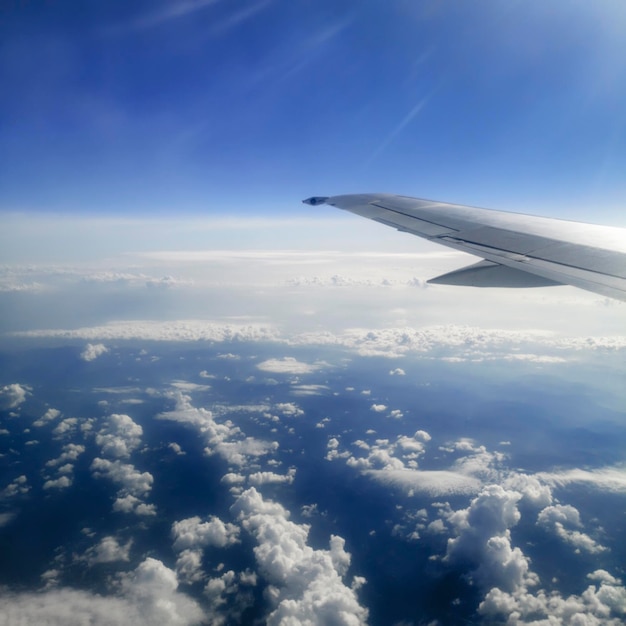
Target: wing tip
x=316, y=200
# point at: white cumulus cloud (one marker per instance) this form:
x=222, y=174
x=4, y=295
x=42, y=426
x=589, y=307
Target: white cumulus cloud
x=63, y=482
x=92, y=351
x=192, y=536
x=271, y=478
x=564, y=521
x=306, y=585
x=48, y=416
x=119, y=436
x=194, y=533
x=483, y=538
x=134, y=485
x=11, y=396
x=108, y=550
x=148, y=595
x=222, y=437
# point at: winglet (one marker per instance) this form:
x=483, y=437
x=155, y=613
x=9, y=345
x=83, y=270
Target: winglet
x=316, y=200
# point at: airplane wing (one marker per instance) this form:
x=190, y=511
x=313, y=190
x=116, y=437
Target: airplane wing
x=517, y=250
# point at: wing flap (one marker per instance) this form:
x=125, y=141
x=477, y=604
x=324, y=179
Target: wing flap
x=490, y=274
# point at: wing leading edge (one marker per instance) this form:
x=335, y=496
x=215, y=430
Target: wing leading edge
x=517, y=250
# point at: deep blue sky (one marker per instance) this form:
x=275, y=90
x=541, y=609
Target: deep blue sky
x=234, y=106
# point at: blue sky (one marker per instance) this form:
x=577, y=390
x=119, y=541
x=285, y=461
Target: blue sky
x=233, y=107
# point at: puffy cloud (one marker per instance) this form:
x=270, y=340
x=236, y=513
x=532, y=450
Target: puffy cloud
x=232, y=478
x=148, y=595
x=603, y=576
x=287, y=365
x=124, y=474
x=228, y=596
x=379, y=456
x=309, y=510
x=108, y=550
x=556, y=518
x=383, y=454
x=559, y=514
x=240, y=452
x=189, y=566
x=119, y=436
x=481, y=533
x=68, y=425
x=270, y=478
x=11, y=396
x=483, y=538
x=290, y=409
x=398, y=371
x=194, y=533
x=63, y=482
x=423, y=435
x=131, y=504
x=532, y=490
x=71, y=452
x=217, y=588
x=378, y=408
x=411, y=444
x=18, y=486
x=436, y=526
x=92, y=351
x=154, y=588
x=134, y=485
x=48, y=416
x=478, y=462
x=222, y=437
x=602, y=604
x=175, y=447
x=202, y=418
x=306, y=585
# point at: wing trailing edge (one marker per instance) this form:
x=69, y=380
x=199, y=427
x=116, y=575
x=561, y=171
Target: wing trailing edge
x=490, y=274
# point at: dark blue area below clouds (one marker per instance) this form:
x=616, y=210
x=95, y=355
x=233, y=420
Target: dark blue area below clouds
x=549, y=423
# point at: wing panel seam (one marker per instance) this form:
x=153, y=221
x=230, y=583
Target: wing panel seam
x=479, y=246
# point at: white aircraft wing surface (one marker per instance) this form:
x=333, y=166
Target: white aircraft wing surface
x=517, y=250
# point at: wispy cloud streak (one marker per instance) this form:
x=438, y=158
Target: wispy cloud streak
x=237, y=18
x=408, y=118
x=171, y=12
